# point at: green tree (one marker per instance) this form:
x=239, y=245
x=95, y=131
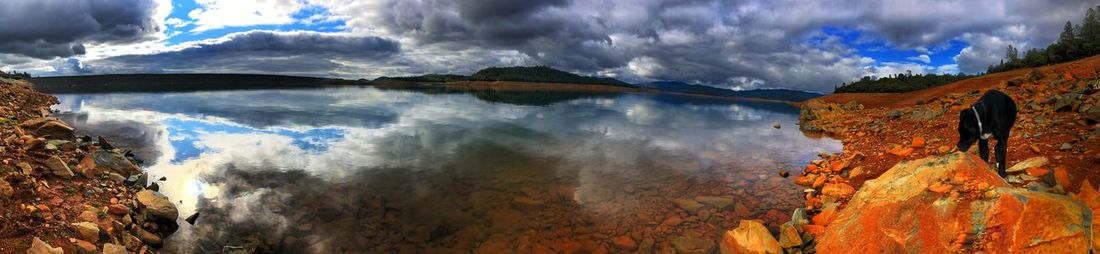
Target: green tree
x=1090, y=33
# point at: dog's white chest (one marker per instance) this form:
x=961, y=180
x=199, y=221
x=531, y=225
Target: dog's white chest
x=986, y=135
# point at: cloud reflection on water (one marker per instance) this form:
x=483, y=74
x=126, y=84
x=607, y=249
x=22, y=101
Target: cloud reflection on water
x=238, y=153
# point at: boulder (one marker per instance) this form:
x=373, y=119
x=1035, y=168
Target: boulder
x=58, y=167
x=749, y=237
x=147, y=237
x=896, y=213
x=789, y=236
x=40, y=247
x=157, y=205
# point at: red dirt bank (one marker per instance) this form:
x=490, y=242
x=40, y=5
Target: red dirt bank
x=1059, y=110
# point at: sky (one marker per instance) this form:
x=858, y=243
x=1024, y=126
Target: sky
x=742, y=44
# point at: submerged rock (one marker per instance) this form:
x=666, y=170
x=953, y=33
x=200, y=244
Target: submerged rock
x=691, y=245
x=897, y=213
x=750, y=237
x=688, y=205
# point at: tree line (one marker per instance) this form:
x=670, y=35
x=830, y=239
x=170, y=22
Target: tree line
x=15, y=75
x=898, y=83
x=1075, y=42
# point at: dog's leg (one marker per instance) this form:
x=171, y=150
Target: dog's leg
x=983, y=149
x=1001, y=151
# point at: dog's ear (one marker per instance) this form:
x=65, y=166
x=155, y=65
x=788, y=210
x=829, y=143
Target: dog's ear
x=967, y=122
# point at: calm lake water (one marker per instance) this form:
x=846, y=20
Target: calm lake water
x=362, y=170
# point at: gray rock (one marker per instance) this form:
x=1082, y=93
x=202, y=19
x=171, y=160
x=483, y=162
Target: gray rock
x=157, y=205
x=107, y=161
x=58, y=167
x=893, y=113
x=722, y=203
x=688, y=205
x=1066, y=146
x=1065, y=103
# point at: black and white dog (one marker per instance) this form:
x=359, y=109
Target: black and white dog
x=992, y=116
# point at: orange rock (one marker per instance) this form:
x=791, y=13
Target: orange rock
x=944, y=149
x=901, y=151
x=1069, y=77
x=820, y=181
x=1037, y=172
x=894, y=214
x=1091, y=198
x=826, y=216
x=813, y=229
x=749, y=237
x=838, y=190
x=1061, y=177
x=939, y=187
x=811, y=168
x=838, y=166
x=918, y=142
x=806, y=180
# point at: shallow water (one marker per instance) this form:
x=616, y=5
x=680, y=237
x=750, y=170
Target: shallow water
x=358, y=170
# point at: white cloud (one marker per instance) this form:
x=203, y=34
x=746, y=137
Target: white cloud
x=215, y=14
x=921, y=58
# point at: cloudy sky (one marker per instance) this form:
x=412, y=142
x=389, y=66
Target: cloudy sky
x=807, y=45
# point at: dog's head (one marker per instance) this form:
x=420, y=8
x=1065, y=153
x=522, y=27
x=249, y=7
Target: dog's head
x=968, y=129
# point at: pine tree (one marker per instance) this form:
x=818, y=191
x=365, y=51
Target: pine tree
x=1090, y=33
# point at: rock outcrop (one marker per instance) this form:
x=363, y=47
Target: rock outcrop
x=955, y=203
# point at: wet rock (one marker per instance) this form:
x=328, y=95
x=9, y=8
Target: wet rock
x=897, y=201
x=1033, y=162
x=157, y=205
x=750, y=236
x=625, y=243
x=40, y=247
x=153, y=186
x=86, y=231
x=688, y=205
x=784, y=173
x=789, y=236
x=721, y=203
x=137, y=179
x=691, y=245
x=58, y=167
x=799, y=217
x=109, y=248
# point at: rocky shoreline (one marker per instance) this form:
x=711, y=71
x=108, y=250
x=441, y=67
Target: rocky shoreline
x=875, y=198
x=63, y=193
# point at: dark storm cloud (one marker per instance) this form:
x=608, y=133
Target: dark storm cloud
x=260, y=51
x=719, y=42
x=46, y=29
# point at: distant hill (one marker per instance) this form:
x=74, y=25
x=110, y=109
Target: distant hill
x=767, y=94
x=174, y=82
x=538, y=74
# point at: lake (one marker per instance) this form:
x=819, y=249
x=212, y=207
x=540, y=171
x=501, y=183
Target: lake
x=358, y=169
